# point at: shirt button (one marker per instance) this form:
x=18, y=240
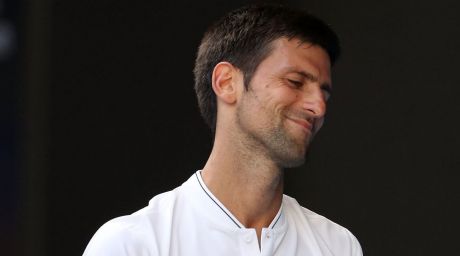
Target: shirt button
x=248, y=239
x=267, y=235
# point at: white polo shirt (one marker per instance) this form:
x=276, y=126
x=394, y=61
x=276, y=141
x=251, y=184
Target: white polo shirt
x=190, y=220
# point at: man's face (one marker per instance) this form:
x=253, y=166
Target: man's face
x=285, y=104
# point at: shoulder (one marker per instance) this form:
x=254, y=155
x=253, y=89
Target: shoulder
x=336, y=239
x=117, y=237
x=133, y=234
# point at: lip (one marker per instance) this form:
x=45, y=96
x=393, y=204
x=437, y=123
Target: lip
x=303, y=123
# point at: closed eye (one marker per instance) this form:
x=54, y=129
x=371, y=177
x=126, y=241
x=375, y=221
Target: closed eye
x=326, y=91
x=295, y=83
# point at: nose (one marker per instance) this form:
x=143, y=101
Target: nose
x=314, y=102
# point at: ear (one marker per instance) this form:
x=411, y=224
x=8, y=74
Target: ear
x=224, y=79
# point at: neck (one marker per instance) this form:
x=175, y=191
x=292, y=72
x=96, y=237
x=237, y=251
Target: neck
x=248, y=184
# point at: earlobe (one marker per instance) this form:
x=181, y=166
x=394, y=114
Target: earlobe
x=223, y=82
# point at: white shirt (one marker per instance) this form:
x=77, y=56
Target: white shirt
x=190, y=220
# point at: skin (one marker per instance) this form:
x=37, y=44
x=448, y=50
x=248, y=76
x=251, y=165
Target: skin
x=266, y=128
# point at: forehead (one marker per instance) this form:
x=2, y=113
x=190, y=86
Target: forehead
x=291, y=55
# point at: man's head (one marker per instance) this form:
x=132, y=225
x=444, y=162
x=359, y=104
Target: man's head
x=245, y=38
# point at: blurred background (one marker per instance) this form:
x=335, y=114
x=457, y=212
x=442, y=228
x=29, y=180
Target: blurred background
x=98, y=115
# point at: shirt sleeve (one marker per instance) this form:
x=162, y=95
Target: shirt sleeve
x=116, y=238
x=108, y=240
x=355, y=247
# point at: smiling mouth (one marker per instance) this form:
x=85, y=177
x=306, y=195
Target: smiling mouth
x=306, y=125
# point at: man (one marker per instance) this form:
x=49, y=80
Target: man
x=262, y=79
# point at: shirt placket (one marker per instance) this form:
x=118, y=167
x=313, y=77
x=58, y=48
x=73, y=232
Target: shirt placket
x=249, y=245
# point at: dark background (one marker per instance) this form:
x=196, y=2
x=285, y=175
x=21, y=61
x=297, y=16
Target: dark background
x=99, y=115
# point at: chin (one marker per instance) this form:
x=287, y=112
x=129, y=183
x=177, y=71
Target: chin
x=291, y=159
x=294, y=163
x=288, y=149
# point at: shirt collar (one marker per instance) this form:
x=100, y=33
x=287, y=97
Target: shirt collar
x=208, y=205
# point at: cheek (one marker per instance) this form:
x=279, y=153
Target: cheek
x=287, y=96
x=281, y=99
x=276, y=97
x=281, y=92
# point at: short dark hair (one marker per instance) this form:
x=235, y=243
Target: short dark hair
x=244, y=38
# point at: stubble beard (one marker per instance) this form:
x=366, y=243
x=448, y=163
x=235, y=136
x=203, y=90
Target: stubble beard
x=275, y=141
x=287, y=150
